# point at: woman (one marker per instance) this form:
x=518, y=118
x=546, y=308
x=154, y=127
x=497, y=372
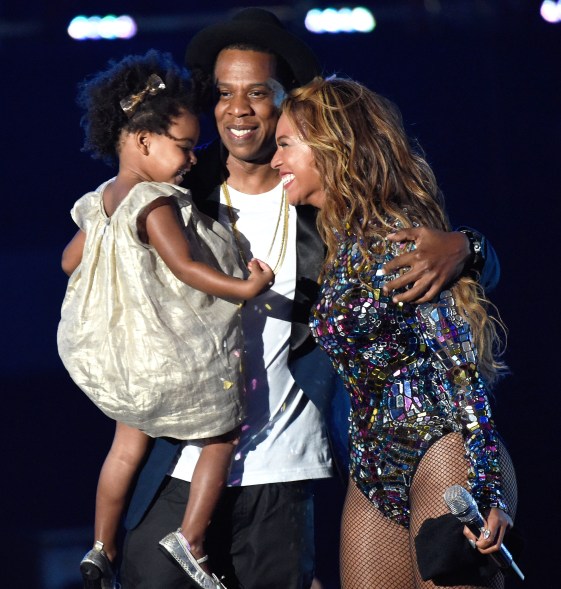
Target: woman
x=418, y=376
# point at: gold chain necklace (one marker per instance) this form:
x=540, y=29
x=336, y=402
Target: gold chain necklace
x=283, y=215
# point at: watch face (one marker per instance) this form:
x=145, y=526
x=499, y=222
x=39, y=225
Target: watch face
x=475, y=244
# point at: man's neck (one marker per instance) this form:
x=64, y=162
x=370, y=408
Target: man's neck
x=251, y=178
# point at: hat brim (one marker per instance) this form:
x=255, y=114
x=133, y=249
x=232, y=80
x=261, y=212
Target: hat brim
x=205, y=46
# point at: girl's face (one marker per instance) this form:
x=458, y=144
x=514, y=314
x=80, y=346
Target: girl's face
x=297, y=168
x=170, y=157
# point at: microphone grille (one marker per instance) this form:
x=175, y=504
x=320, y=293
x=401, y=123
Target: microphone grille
x=459, y=500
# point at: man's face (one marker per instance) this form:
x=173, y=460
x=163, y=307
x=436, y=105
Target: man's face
x=248, y=100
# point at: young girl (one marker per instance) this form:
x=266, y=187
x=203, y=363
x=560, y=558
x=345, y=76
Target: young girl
x=150, y=325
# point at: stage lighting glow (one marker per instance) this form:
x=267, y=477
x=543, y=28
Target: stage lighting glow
x=551, y=11
x=93, y=28
x=79, y=27
x=340, y=20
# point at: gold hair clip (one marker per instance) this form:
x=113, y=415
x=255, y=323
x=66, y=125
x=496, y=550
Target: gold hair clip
x=153, y=86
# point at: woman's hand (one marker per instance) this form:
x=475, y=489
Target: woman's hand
x=492, y=537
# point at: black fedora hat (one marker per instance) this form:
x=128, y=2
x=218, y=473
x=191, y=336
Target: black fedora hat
x=258, y=27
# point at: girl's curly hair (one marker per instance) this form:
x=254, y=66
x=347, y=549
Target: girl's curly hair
x=100, y=94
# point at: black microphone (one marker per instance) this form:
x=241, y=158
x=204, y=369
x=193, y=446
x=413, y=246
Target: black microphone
x=463, y=506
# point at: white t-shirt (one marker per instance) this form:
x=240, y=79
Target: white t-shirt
x=283, y=437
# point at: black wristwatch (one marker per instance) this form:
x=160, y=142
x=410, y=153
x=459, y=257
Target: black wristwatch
x=476, y=247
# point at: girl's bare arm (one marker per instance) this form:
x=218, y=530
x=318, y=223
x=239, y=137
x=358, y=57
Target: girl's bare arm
x=72, y=254
x=166, y=235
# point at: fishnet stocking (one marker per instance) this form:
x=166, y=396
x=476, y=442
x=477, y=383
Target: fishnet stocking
x=374, y=549
x=377, y=553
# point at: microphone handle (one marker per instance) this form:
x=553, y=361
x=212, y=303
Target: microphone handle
x=503, y=559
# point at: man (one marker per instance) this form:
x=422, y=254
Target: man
x=262, y=533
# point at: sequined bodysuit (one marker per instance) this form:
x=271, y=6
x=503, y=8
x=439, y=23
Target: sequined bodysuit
x=411, y=372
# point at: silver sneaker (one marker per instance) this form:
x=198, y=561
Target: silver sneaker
x=178, y=548
x=97, y=572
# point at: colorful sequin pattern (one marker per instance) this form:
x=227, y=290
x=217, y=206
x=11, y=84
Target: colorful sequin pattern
x=411, y=372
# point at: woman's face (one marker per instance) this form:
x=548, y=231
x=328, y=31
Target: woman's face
x=297, y=167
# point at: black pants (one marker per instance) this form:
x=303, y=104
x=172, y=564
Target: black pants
x=261, y=537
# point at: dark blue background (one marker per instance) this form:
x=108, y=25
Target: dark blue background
x=478, y=85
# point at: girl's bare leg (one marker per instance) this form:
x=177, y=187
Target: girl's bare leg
x=115, y=479
x=207, y=484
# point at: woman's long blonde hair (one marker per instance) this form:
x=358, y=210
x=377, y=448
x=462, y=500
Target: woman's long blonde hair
x=372, y=177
